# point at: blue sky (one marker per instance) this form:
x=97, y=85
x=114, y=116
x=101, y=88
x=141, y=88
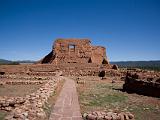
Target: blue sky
x=129, y=29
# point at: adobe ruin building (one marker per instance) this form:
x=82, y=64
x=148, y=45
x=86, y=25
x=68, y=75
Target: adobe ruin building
x=73, y=57
x=81, y=51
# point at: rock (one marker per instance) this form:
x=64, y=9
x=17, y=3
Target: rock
x=126, y=116
x=11, y=102
x=25, y=114
x=6, y=104
x=9, y=117
x=114, y=116
x=32, y=113
x=100, y=117
x=131, y=116
x=41, y=115
x=103, y=113
x=8, y=108
x=91, y=117
x=20, y=100
x=39, y=104
x=17, y=113
x=95, y=113
x=109, y=114
x=121, y=116
x=98, y=113
x=85, y=115
x=107, y=118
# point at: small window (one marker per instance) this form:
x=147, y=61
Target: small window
x=71, y=48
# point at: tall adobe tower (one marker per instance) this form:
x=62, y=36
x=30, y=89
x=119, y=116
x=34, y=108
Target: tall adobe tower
x=65, y=51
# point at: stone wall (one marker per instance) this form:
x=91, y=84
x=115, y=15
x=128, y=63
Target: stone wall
x=31, y=106
x=75, y=51
x=110, y=115
x=51, y=69
x=71, y=56
x=149, y=86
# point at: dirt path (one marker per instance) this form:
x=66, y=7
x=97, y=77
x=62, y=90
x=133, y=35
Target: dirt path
x=67, y=105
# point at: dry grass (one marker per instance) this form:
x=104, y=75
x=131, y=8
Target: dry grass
x=52, y=99
x=17, y=90
x=98, y=94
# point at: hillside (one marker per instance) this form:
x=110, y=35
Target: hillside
x=9, y=62
x=3, y=61
x=151, y=65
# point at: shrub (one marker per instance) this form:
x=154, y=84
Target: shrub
x=2, y=73
x=115, y=67
x=101, y=74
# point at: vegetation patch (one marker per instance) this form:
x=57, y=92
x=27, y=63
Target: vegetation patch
x=18, y=90
x=145, y=112
x=102, y=95
x=2, y=114
x=52, y=99
x=101, y=100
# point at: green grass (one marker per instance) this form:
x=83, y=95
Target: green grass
x=145, y=112
x=102, y=100
x=49, y=104
x=101, y=95
x=48, y=107
x=2, y=115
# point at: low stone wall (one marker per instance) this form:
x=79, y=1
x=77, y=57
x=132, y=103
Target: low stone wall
x=99, y=115
x=25, y=77
x=9, y=103
x=42, y=73
x=84, y=72
x=32, y=107
x=22, y=82
x=133, y=83
x=50, y=70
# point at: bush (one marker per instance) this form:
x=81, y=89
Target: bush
x=14, y=63
x=102, y=74
x=115, y=67
x=2, y=73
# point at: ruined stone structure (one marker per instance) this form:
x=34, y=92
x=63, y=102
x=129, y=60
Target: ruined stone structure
x=66, y=51
x=143, y=83
x=73, y=57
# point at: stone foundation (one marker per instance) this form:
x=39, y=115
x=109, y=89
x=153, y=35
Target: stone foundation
x=141, y=84
x=32, y=106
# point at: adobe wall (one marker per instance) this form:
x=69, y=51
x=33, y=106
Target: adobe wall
x=71, y=56
x=98, y=54
x=75, y=51
x=51, y=69
x=72, y=51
